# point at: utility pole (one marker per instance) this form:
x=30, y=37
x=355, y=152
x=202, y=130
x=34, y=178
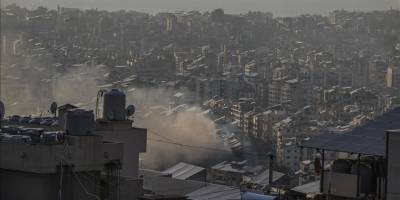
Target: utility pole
x=2, y=112
x=271, y=171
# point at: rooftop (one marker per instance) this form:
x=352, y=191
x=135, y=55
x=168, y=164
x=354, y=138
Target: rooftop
x=263, y=178
x=183, y=170
x=309, y=188
x=217, y=192
x=367, y=139
x=236, y=167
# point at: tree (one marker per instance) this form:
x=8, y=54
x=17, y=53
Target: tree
x=217, y=15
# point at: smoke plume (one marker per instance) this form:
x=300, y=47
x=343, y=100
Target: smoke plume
x=31, y=87
x=170, y=124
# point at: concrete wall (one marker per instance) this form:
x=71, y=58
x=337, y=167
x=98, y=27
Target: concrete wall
x=86, y=153
x=341, y=185
x=225, y=177
x=32, y=172
x=170, y=186
x=393, y=176
x=22, y=186
x=30, y=158
x=134, y=139
x=131, y=189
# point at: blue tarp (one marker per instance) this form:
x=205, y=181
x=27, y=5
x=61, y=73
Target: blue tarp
x=368, y=139
x=254, y=196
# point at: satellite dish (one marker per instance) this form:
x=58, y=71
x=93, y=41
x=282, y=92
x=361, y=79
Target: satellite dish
x=130, y=110
x=53, y=108
x=2, y=110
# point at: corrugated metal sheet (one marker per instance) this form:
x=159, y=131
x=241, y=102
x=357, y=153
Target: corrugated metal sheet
x=183, y=171
x=215, y=192
x=309, y=188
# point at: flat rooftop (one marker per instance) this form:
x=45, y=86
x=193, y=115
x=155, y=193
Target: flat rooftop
x=368, y=139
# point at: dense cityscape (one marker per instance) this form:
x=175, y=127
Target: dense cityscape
x=230, y=100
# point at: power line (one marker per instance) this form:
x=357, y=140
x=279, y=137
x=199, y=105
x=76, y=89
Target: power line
x=191, y=146
x=87, y=178
x=91, y=181
x=162, y=141
x=161, y=136
x=173, y=142
x=83, y=187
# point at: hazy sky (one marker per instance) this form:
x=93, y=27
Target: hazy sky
x=278, y=7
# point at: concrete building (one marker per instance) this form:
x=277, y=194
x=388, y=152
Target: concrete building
x=296, y=92
x=231, y=173
x=293, y=93
x=274, y=92
x=393, y=77
x=43, y=171
x=273, y=116
x=171, y=22
x=288, y=153
x=239, y=109
x=285, y=142
x=251, y=70
x=258, y=126
x=261, y=181
x=152, y=66
x=42, y=161
x=377, y=72
x=368, y=147
x=248, y=122
x=203, y=90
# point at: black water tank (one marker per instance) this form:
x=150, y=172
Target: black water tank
x=114, y=106
x=79, y=122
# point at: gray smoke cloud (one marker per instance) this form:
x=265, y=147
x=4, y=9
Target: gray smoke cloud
x=30, y=89
x=168, y=122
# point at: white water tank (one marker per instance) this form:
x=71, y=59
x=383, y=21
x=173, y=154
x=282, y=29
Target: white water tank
x=79, y=122
x=114, y=106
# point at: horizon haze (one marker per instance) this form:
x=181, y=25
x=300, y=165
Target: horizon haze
x=277, y=7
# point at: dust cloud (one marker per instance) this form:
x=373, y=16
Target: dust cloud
x=170, y=124
x=30, y=88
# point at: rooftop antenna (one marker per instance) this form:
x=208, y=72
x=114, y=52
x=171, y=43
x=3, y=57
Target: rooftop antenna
x=2, y=112
x=53, y=109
